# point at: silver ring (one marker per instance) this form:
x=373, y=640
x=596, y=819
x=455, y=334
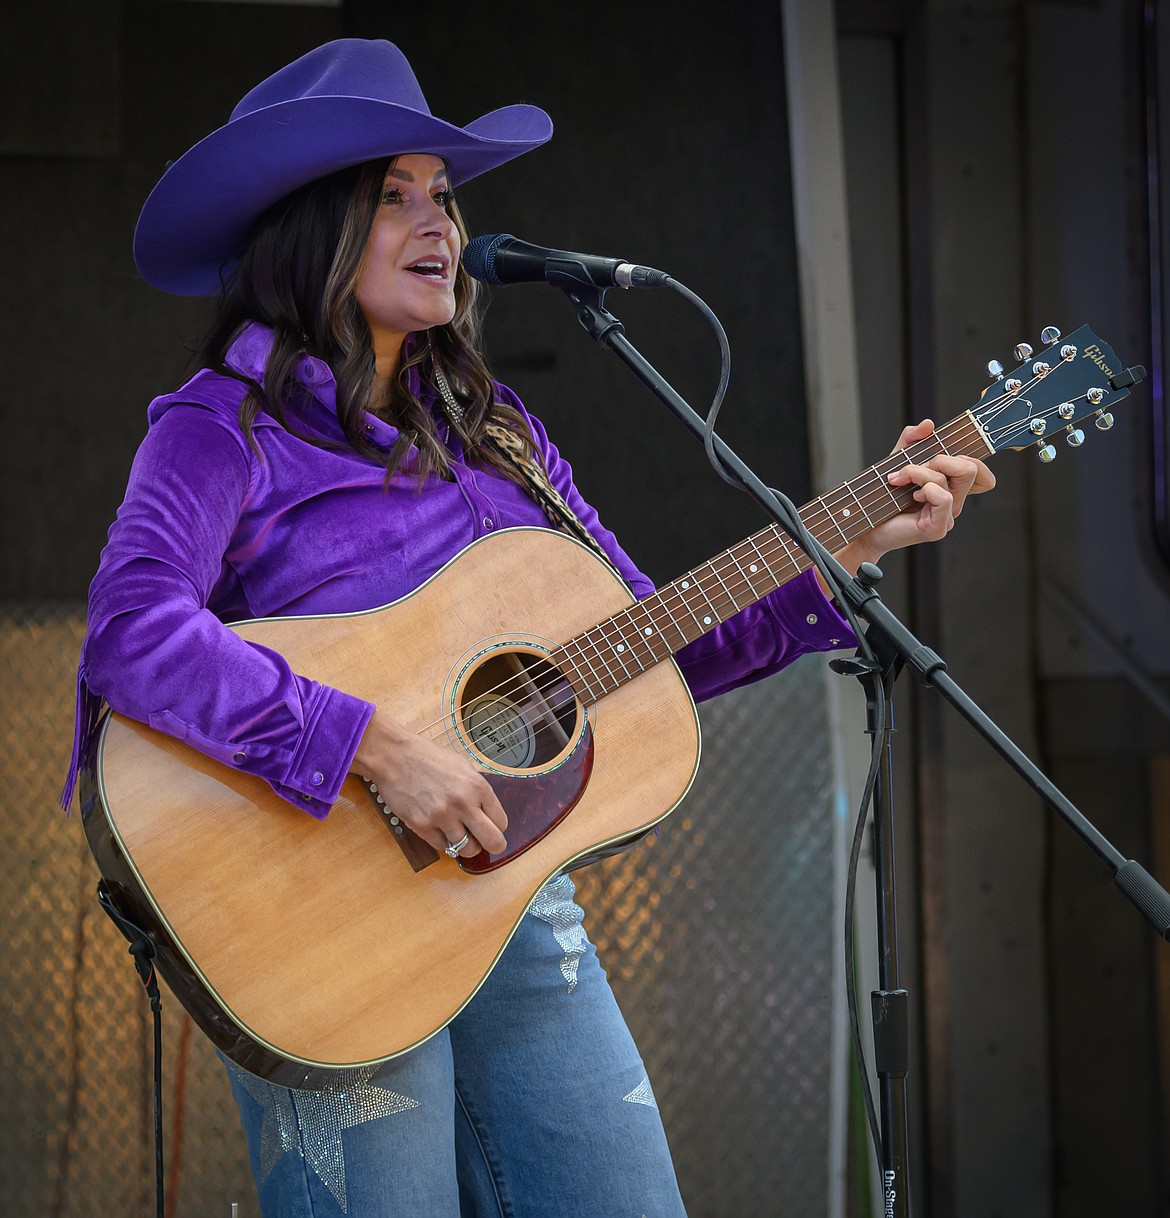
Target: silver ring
x=453, y=848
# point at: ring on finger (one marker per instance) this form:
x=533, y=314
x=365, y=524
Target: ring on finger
x=453, y=848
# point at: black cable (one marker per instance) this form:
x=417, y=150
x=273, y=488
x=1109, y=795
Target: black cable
x=807, y=543
x=876, y=754
x=724, y=376
x=143, y=951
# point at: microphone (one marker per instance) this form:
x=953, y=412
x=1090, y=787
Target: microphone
x=499, y=259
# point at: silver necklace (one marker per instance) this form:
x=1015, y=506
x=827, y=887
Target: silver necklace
x=450, y=405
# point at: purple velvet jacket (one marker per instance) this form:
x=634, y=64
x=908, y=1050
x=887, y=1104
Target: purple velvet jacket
x=213, y=530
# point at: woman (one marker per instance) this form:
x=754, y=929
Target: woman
x=339, y=446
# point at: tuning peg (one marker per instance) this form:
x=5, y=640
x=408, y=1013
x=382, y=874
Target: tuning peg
x=1075, y=437
x=1022, y=350
x=1095, y=396
x=994, y=368
x=1012, y=384
x=1049, y=335
x=1040, y=368
x=1037, y=427
x=1066, y=410
x=1068, y=351
x=1104, y=420
x=1047, y=454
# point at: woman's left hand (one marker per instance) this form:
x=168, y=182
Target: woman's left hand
x=942, y=486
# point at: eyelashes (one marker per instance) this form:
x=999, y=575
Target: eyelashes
x=443, y=198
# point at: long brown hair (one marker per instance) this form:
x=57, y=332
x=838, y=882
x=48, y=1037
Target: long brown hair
x=298, y=276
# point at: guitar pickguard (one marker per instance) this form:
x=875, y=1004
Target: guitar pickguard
x=535, y=805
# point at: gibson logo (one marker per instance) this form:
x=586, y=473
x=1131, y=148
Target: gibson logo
x=1094, y=353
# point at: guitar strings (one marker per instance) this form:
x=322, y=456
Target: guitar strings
x=769, y=544
x=718, y=598
x=875, y=491
x=723, y=598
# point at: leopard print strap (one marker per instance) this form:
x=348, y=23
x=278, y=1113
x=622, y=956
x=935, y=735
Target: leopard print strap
x=508, y=445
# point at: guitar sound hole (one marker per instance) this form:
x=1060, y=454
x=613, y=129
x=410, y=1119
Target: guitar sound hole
x=517, y=711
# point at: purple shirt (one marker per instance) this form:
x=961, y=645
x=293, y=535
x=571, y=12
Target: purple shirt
x=213, y=530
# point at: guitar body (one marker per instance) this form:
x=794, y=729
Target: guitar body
x=306, y=948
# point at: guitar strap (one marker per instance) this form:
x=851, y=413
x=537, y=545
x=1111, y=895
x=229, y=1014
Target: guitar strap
x=508, y=445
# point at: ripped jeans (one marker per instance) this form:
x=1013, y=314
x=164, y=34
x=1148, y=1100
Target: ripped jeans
x=531, y=1103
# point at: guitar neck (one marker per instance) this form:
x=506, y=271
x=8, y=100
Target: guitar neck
x=606, y=656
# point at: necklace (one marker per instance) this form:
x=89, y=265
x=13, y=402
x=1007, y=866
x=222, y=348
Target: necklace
x=450, y=405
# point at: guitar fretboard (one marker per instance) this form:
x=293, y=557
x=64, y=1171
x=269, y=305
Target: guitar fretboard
x=606, y=656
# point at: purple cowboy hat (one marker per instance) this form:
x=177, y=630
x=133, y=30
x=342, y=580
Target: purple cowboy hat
x=346, y=102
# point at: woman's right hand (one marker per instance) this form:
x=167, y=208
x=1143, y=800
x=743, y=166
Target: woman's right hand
x=438, y=793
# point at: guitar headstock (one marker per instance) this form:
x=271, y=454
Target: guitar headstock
x=1076, y=380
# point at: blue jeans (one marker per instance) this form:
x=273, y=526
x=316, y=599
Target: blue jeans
x=533, y=1102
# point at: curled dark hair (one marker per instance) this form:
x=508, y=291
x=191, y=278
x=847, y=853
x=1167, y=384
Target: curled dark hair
x=298, y=276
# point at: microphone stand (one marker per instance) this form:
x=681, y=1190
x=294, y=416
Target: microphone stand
x=894, y=647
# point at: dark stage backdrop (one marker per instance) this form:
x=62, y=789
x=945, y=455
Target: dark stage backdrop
x=670, y=149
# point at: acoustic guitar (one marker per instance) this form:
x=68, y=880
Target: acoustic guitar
x=305, y=949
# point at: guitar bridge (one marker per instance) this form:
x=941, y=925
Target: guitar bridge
x=418, y=853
